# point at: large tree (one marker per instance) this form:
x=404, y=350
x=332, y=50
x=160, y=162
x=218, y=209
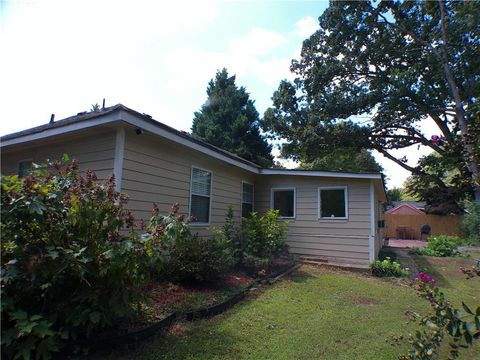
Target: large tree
x=230, y=121
x=343, y=159
x=374, y=71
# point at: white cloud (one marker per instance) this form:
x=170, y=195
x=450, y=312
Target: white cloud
x=306, y=26
x=257, y=42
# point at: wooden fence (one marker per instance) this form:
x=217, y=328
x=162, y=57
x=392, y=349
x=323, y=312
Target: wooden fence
x=408, y=226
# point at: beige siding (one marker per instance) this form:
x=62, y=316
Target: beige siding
x=94, y=150
x=334, y=240
x=156, y=170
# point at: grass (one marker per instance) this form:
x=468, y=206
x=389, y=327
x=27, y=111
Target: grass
x=314, y=314
x=454, y=285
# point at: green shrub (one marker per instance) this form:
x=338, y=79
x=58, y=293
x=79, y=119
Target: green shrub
x=471, y=222
x=66, y=270
x=387, y=268
x=196, y=259
x=262, y=236
x=442, y=245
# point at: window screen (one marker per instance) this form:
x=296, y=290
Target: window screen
x=24, y=168
x=200, y=195
x=333, y=203
x=247, y=199
x=284, y=201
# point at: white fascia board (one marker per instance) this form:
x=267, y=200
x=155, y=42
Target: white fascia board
x=133, y=120
x=319, y=174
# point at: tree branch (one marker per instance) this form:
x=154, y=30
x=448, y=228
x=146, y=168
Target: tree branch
x=398, y=162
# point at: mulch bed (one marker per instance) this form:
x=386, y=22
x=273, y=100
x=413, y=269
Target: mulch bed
x=168, y=302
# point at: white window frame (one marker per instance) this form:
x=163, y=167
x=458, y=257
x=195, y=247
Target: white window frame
x=272, y=191
x=241, y=197
x=210, y=200
x=21, y=161
x=319, y=202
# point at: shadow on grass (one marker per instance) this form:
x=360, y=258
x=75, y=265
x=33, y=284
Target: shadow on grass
x=424, y=264
x=299, y=276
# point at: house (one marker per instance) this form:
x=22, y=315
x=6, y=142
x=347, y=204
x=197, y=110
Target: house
x=332, y=216
x=407, y=208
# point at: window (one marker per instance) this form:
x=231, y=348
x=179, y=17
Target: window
x=24, y=168
x=200, y=192
x=333, y=202
x=284, y=201
x=247, y=199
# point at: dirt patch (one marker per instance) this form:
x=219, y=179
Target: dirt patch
x=365, y=301
x=179, y=329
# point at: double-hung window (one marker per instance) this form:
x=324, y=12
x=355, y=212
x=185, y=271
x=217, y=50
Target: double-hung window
x=283, y=200
x=200, y=193
x=333, y=202
x=247, y=199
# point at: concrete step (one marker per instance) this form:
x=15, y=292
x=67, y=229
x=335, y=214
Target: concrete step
x=335, y=265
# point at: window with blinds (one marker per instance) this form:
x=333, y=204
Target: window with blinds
x=200, y=192
x=247, y=199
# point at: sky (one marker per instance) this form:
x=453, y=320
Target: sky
x=62, y=56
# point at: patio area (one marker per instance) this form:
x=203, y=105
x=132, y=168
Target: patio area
x=405, y=244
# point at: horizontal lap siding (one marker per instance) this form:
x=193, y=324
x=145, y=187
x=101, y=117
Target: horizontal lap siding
x=93, y=150
x=156, y=170
x=340, y=240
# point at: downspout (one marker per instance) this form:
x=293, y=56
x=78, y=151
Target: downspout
x=371, y=238
x=118, y=160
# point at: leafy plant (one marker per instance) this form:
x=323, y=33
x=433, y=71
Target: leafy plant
x=442, y=245
x=445, y=320
x=387, y=268
x=262, y=236
x=196, y=259
x=471, y=222
x=66, y=269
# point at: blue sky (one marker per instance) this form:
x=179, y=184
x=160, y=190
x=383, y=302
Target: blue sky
x=155, y=57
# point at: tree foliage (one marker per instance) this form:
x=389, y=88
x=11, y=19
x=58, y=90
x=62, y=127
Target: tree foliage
x=230, y=121
x=447, y=194
x=374, y=72
x=344, y=159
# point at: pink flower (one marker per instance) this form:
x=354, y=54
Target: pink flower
x=435, y=139
x=425, y=278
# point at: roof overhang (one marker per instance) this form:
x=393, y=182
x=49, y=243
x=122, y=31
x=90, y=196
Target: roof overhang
x=120, y=115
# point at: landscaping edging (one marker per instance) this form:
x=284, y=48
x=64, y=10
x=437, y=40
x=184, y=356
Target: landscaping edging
x=145, y=333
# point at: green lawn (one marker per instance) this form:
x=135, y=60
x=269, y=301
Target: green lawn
x=313, y=314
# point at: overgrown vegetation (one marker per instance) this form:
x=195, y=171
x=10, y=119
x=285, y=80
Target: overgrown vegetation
x=66, y=270
x=258, y=240
x=442, y=245
x=388, y=268
x=445, y=320
x=72, y=264
x=471, y=222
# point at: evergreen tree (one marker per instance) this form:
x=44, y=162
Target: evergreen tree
x=230, y=121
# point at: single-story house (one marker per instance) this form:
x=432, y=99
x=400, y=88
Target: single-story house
x=333, y=216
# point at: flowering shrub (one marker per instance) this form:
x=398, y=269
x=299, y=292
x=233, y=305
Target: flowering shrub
x=387, y=268
x=444, y=320
x=442, y=245
x=66, y=270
